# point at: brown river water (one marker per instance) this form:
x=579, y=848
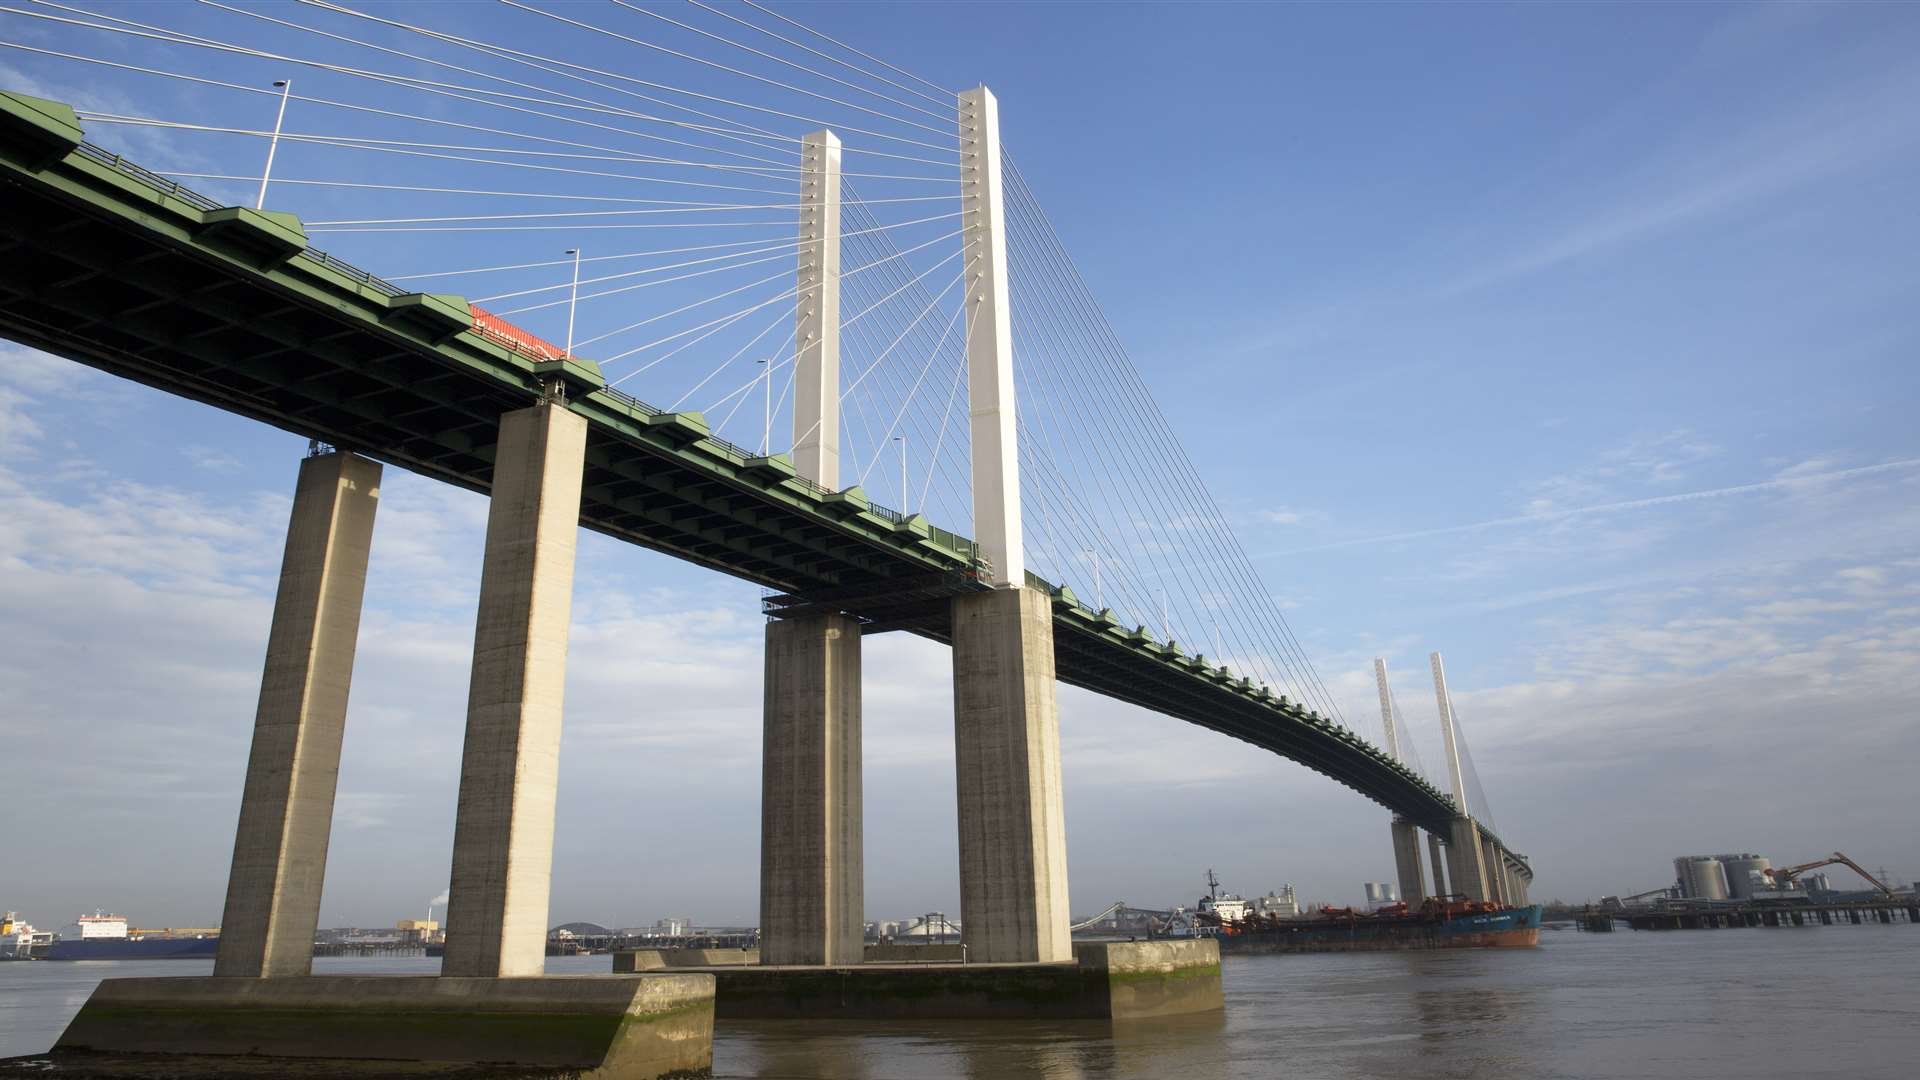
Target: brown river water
x=1806, y=1004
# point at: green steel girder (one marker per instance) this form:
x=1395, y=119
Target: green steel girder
x=143, y=250
x=222, y=306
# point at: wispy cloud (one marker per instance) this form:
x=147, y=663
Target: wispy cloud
x=1845, y=130
x=1547, y=516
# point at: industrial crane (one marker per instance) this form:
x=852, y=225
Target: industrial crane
x=1784, y=877
x=1611, y=902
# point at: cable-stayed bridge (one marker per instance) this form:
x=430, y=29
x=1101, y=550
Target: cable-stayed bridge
x=707, y=280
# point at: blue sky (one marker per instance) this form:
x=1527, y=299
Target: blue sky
x=1574, y=341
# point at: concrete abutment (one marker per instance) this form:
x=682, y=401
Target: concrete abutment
x=636, y=1028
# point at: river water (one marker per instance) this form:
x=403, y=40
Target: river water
x=1755, y=1004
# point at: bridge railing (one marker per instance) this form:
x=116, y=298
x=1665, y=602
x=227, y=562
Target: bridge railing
x=175, y=189
x=152, y=179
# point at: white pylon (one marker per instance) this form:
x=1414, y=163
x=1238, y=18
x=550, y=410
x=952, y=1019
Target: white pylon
x=990, y=388
x=1447, y=736
x=816, y=380
x=1386, y=710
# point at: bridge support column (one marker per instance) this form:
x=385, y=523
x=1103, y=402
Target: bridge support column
x=1436, y=854
x=286, y=811
x=1466, y=861
x=1406, y=861
x=503, y=831
x=812, y=908
x=1496, y=872
x=1013, y=844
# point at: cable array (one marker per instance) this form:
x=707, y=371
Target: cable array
x=622, y=179
x=1476, y=793
x=625, y=180
x=1113, y=504
x=1409, y=749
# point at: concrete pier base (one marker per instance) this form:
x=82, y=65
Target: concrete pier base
x=1436, y=853
x=636, y=1028
x=286, y=809
x=812, y=908
x=1104, y=981
x=1013, y=837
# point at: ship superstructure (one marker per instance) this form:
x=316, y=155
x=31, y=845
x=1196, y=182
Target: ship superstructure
x=101, y=936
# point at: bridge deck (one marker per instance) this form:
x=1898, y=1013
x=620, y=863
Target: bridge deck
x=130, y=273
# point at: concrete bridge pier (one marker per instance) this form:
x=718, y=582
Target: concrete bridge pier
x=1013, y=843
x=286, y=810
x=812, y=908
x=491, y=1003
x=1496, y=871
x=1406, y=860
x=1466, y=861
x=812, y=899
x=1436, y=855
x=509, y=768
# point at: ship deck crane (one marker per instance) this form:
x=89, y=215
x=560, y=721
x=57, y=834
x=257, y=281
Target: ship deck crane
x=1784, y=877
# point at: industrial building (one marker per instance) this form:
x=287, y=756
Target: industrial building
x=1746, y=874
x=1701, y=877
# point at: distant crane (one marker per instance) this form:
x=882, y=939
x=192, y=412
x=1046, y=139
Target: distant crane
x=1785, y=877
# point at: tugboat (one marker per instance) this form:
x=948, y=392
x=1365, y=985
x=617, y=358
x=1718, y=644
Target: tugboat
x=1440, y=922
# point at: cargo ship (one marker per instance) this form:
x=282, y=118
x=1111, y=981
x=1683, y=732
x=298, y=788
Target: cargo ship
x=1441, y=922
x=101, y=936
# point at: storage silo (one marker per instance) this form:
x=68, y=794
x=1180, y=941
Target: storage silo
x=1740, y=870
x=1701, y=877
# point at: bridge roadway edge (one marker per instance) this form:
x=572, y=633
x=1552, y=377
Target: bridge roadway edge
x=427, y=398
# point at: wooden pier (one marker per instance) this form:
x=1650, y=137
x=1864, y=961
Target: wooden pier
x=1735, y=916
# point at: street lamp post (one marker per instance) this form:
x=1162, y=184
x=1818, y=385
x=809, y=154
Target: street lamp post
x=902, y=440
x=573, y=298
x=766, y=430
x=286, y=90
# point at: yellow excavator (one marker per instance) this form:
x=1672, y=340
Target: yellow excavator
x=1784, y=877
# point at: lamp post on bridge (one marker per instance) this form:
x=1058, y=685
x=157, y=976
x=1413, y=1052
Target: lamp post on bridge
x=286, y=90
x=905, y=510
x=766, y=428
x=573, y=298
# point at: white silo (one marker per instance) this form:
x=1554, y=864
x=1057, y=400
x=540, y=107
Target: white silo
x=1701, y=877
x=1745, y=873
